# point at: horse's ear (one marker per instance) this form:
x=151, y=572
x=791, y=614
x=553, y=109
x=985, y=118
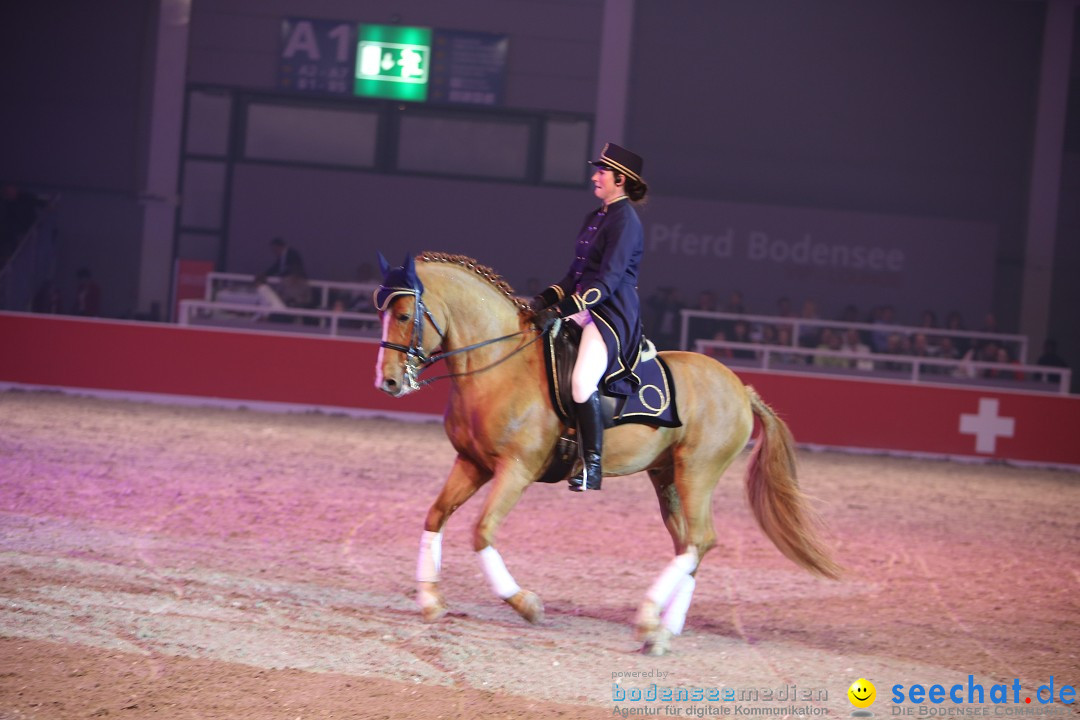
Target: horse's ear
x=384, y=267
x=409, y=266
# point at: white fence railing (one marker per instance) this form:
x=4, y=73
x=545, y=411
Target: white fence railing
x=324, y=322
x=908, y=368
x=230, y=283
x=800, y=325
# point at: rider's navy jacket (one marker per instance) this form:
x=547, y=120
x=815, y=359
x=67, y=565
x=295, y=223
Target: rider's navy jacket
x=603, y=280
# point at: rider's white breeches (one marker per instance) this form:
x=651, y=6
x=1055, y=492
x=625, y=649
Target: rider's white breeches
x=591, y=361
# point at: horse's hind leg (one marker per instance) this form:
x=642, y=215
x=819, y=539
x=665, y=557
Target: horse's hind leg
x=649, y=625
x=464, y=480
x=686, y=507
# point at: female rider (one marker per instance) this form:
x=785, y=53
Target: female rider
x=599, y=293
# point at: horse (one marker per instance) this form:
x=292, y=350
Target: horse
x=501, y=421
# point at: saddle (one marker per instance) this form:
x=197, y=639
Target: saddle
x=653, y=404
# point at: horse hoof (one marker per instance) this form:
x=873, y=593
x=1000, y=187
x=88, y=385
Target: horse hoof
x=658, y=644
x=432, y=604
x=528, y=605
x=433, y=613
x=648, y=621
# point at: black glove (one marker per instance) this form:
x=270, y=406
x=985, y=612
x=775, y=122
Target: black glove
x=545, y=318
x=548, y=297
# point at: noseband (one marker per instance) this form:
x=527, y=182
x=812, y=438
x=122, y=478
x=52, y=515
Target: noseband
x=416, y=360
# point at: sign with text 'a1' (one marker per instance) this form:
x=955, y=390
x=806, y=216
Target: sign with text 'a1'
x=393, y=62
x=317, y=55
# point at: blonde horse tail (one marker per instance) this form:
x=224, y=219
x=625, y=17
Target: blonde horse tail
x=772, y=489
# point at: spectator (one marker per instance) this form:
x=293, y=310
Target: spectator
x=850, y=314
x=853, y=345
x=809, y=332
x=832, y=342
x=286, y=258
x=699, y=327
x=955, y=321
x=920, y=346
x=1002, y=356
x=740, y=333
x=1050, y=358
x=269, y=298
x=989, y=325
x=783, y=309
x=663, y=322
x=735, y=303
x=294, y=289
x=895, y=344
x=784, y=339
x=720, y=353
x=929, y=322
x=87, y=295
x=362, y=301
x=947, y=350
x=990, y=352
x=879, y=339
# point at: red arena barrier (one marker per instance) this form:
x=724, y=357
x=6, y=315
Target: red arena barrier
x=133, y=357
x=332, y=373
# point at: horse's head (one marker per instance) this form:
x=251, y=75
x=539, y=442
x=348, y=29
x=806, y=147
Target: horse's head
x=409, y=331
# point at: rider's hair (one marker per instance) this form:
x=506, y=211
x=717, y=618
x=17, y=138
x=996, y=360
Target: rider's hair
x=635, y=189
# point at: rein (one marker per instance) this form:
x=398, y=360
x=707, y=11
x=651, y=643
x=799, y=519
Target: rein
x=417, y=361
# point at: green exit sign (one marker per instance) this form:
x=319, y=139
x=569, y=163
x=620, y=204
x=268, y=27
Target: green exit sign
x=393, y=62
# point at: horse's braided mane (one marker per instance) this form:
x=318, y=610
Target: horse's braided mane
x=493, y=278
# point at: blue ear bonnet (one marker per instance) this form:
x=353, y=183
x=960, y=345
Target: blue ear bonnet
x=397, y=281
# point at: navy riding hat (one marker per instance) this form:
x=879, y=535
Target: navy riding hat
x=619, y=159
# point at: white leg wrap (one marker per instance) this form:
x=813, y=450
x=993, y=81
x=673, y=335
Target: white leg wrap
x=429, y=563
x=498, y=576
x=675, y=615
x=681, y=566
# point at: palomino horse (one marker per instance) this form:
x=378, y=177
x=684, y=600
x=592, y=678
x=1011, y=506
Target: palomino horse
x=501, y=422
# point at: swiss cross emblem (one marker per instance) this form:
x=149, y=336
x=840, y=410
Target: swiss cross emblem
x=987, y=426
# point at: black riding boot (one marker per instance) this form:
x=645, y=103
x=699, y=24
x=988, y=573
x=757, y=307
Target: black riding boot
x=591, y=437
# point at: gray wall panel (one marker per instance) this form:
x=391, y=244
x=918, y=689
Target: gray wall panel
x=338, y=220
x=908, y=107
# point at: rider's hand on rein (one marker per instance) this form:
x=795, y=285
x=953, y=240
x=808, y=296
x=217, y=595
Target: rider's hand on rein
x=544, y=319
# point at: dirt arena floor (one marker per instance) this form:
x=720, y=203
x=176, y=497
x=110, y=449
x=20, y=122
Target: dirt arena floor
x=179, y=562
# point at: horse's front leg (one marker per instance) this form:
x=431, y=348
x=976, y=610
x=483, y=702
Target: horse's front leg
x=464, y=480
x=510, y=482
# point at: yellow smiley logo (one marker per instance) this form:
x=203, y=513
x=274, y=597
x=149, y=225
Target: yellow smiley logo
x=862, y=693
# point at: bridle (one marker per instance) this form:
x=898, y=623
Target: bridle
x=416, y=360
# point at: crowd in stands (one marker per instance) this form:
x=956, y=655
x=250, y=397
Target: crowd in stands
x=848, y=347
x=839, y=345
